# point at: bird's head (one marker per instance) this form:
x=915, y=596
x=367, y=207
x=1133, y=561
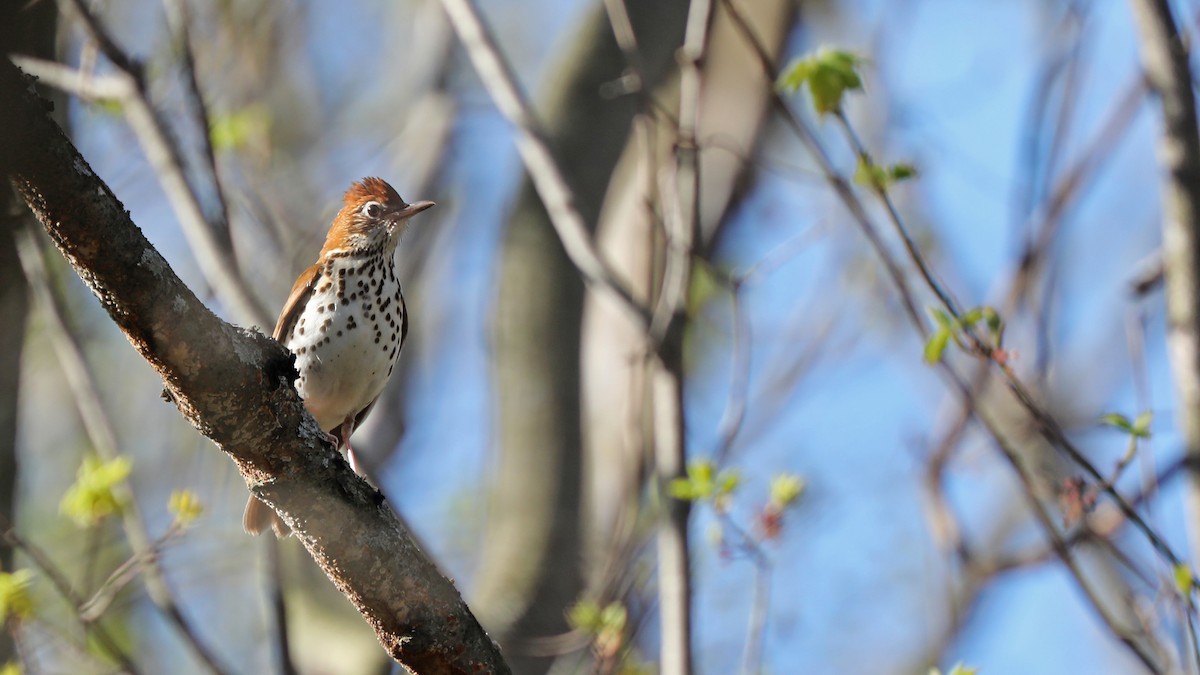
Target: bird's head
x=373, y=216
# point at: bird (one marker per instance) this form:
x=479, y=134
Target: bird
x=345, y=321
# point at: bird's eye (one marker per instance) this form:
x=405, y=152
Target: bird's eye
x=372, y=209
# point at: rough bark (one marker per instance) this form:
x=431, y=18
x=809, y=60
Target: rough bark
x=233, y=386
x=534, y=544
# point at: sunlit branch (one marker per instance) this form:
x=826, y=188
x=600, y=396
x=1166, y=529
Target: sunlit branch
x=547, y=178
x=211, y=242
x=1165, y=60
x=99, y=429
x=63, y=587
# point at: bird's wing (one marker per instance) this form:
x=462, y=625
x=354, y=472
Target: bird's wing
x=301, y=292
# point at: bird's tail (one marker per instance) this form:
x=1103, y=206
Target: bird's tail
x=259, y=517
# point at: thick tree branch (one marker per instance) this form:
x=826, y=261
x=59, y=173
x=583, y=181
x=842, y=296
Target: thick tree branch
x=233, y=385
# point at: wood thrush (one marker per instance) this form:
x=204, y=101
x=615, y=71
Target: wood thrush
x=345, y=320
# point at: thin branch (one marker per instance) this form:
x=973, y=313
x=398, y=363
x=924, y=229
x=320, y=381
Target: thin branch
x=666, y=328
x=760, y=605
x=1166, y=64
x=103, y=439
x=211, y=242
x=547, y=178
x=180, y=21
x=59, y=580
x=278, y=608
x=1046, y=425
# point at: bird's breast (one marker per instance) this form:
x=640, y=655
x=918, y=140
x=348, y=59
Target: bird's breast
x=347, y=337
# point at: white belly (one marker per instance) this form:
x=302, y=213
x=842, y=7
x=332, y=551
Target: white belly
x=345, y=353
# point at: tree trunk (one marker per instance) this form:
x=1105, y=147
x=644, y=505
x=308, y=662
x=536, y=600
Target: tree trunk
x=533, y=544
x=733, y=106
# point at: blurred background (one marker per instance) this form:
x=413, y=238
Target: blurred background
x=515, y=439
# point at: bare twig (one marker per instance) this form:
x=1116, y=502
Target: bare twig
x=666, y=327
x=548, y=180
x=211, y=242
x=103, y=438
x=63, y=587
x=278, y=607
x=178, y=17
x=1046, y=425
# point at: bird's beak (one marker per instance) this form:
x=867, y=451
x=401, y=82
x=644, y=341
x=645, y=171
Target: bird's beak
x=412, y=209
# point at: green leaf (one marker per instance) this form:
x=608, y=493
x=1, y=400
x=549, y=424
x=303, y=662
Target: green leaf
x=943, y=319
x=869, y=173
x=585, y=616
x=786, y=488
x=91, y=499
x=828, y=74
x=15, y=600
x=186, y=506
x=613, y=617
x=995, y=324
x=1141, y=425
x=704, y=483
x=682, y=488
x=902, y=172
x=1184, y=579
x=108, y=106
x=936, y=346
x=239, y=128
x=727, y=482
x=10, y=668
x=698, y=484
x=1117, y=420
x=708, y=283
x=872, y=175
x=971, y=316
